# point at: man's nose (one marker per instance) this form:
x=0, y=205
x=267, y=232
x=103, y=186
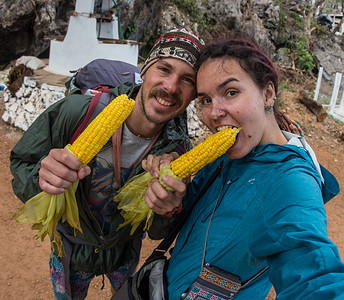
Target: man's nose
x=171, y=84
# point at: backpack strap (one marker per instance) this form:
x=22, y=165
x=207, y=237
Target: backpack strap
x=98, y=102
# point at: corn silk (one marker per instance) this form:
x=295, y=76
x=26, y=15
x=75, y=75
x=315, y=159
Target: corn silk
x=44, y=211
x=131, y=198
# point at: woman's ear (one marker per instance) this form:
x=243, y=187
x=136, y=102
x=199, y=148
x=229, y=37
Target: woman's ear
x=270, y=94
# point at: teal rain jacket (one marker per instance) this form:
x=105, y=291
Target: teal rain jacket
x=270, y=213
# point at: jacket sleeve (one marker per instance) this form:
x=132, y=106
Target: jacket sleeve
x=52, y=129
x=291, y=231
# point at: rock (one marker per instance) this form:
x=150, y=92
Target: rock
x=341, y=136
x=31, y=62
x=330, y=56
x=26, y=31
x=29, y=82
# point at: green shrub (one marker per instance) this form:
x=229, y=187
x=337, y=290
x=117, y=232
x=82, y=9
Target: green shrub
x=305, y=60
x=131, y=28
x=190, y=8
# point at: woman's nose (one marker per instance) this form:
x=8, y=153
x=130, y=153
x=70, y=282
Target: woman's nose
x=217, y=110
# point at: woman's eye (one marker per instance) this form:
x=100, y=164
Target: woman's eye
x=231, y=93
x=205, y=101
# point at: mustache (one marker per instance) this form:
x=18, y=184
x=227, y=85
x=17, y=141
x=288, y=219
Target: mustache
x=164, y=94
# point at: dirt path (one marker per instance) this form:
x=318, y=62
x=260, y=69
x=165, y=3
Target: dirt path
x=24, y=261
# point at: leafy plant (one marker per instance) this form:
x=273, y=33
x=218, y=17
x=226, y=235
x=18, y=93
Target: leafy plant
x=131, y=28
x=149, y=39
x=190, y=8
x=282, y=16
x=296, y=17
x=305, y=60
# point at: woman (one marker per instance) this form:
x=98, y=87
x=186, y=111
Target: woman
x=267, y=207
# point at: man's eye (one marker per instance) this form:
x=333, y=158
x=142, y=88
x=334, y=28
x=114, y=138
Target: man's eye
x=189, y=80
x=163, y=69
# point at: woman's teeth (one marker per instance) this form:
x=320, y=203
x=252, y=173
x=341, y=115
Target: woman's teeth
x=223, y=127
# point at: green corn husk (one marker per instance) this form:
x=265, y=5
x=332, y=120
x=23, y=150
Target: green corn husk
x=44, y=211
x=131, y=198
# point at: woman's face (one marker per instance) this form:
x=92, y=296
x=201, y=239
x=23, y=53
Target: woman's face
x=229, y=97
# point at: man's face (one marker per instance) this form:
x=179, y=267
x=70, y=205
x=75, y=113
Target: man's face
x=167, y=89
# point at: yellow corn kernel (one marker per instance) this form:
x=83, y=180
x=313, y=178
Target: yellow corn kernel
x=99, y=131
x=209, y=150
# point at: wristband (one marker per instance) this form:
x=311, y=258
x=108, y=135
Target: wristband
x=177, y=209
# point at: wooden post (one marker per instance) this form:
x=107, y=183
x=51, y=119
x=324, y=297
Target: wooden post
x=316, y=108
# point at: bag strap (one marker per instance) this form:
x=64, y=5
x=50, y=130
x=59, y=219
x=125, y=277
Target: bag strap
x=167, y=241
x=248, y=281
x=97, y=104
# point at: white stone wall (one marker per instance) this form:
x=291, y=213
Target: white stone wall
x=30, y=101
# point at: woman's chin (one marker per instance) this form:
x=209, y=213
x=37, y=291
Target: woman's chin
x=235, y=152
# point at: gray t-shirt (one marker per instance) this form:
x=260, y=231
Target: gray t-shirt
x=104, y=185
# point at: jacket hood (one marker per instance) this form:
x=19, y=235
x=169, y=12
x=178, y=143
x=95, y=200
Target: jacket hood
x=272, y=153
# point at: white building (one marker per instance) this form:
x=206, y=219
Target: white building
x=90, y=36
x=336, y=20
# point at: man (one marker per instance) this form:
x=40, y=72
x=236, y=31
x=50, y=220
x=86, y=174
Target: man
x=156, y=125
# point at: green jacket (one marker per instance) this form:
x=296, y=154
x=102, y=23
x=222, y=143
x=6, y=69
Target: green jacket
x=95, y=253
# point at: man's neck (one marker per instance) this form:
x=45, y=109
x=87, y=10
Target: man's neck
x=142, y=127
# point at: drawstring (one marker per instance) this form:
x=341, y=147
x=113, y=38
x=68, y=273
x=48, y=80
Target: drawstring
x=103, y=282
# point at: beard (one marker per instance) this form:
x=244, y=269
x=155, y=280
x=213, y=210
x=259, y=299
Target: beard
x=154, y=93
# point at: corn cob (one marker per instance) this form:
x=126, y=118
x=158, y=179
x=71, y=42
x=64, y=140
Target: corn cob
x=131, y=196
x=206, y=152
x=98, y=132
x=44, y=211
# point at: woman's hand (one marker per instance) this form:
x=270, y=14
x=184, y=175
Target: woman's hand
x=59, y=170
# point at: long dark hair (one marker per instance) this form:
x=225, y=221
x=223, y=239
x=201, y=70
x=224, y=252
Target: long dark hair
x=253, y=60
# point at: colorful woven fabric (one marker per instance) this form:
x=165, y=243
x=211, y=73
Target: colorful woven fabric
x=220, y=281
x=199, y=292
x=176, y=43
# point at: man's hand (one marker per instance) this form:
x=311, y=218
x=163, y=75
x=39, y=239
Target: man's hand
x=59, y=170
x=162, y=201
x=152, y=163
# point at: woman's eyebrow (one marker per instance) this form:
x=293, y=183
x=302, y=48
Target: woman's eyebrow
x=220, y=86
x=223, y=84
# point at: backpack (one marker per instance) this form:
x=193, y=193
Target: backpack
x=96, y=78
x=102, y=72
